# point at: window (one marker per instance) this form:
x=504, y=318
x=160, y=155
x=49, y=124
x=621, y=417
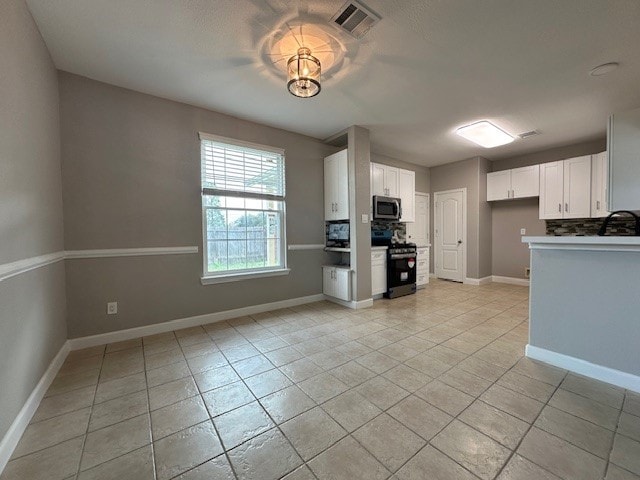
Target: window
x=243, y=209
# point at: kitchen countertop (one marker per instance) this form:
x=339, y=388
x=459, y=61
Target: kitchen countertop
x=594, y=243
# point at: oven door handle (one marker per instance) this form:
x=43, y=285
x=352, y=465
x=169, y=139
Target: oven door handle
x=399, y=256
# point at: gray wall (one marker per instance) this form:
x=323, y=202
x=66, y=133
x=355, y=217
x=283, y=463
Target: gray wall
x=131, y=178
x=359, y=194
x=510, y=255
x=469, y=174
x=32, y=305
x=422, y=173
x=585, y=304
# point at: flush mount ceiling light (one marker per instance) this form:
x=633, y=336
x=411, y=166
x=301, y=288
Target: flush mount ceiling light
x=303, y=74
x=603, y=69
x=485, y=134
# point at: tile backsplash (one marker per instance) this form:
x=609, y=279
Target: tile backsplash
x=392, y=226
x=618, y=226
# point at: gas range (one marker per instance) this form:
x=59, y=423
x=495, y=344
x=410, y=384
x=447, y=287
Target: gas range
x=401, y=269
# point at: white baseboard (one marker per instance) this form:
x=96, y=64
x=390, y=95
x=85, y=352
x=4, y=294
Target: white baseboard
x=351, y=304
x=583, y=367
x=131, y=333
x=510, y=280
x=477, y=281
x=19, y=425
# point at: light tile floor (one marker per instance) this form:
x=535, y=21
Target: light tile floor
x=430, y=386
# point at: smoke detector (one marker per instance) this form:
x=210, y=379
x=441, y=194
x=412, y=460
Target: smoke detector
x=355, y=19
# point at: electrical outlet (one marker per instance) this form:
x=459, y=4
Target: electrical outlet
x=523, y=231
x=112, y=308
x=527, y=272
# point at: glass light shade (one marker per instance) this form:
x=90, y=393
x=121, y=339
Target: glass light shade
x=303, y=74
x=485, y=134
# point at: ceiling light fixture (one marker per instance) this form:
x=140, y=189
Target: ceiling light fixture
x=603, y=69
x=485, y=134
x=303, y=74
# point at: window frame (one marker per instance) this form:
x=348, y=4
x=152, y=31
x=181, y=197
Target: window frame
x=208, y=277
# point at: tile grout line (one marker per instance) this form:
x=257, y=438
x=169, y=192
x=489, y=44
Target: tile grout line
x=531, y=425
x=613, y=437
x=86, y=434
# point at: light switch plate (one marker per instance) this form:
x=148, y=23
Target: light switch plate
x=365, y=218
x=523, y=231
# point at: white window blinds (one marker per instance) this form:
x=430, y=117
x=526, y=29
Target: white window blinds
x=233, y=168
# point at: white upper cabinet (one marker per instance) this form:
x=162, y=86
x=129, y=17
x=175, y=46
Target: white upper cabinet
x=551, y=186
x=565, y=188
x=599, y=184
x=377, y=180
x=623, y=146
x=336, y=186
x=577, y=187
x=397, y=183
x=525, y=182
x=516, y=183
x=498, y=185
x=384, y=180
x=407, y=195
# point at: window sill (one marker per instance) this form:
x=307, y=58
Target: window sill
x=238, y=277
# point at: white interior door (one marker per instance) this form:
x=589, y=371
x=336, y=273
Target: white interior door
x=450, y=241
x=418, y=231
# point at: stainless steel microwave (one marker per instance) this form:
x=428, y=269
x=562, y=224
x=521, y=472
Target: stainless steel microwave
x=386, y=208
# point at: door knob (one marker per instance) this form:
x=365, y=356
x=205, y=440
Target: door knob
x=459, y=242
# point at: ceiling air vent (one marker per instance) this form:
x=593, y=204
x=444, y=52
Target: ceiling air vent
x=355, y=19
x=532, y=133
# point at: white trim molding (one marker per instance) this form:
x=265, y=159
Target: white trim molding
x=592, y=244
x=477, y=281
x=355, y=305
x=131, y=333
x=21, y=422
x=25, y=265
x=510, y=280
x=130, y=252
x=582, y=367
x=237, y=277
x=306, y=246
x=12, y=269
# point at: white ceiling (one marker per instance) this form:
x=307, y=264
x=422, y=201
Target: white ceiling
x=426, y=68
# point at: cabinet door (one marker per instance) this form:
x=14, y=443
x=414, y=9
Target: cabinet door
x=623, y=145
x=407, y=194
x=341, y=193
x=342, y=284
x=498, y=185
x=599, y=182
x=378, y=273
x=551, y=186
x=525, y=182
x=377, y=179
x=391, y=180
x=328, y=282
x=577, y=187
x=329, y=188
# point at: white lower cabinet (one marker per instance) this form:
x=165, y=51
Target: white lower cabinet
x=378, y=272
x=336, y=282
x=422, y=270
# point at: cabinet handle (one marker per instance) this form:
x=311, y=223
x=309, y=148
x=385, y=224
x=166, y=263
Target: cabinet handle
x=513, y=194
x=566, y=207
x=560, y=208
x=597, y=204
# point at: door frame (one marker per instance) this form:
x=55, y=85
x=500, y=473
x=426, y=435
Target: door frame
x=464, y=230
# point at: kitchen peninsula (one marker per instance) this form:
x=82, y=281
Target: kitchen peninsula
x=584, y=305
